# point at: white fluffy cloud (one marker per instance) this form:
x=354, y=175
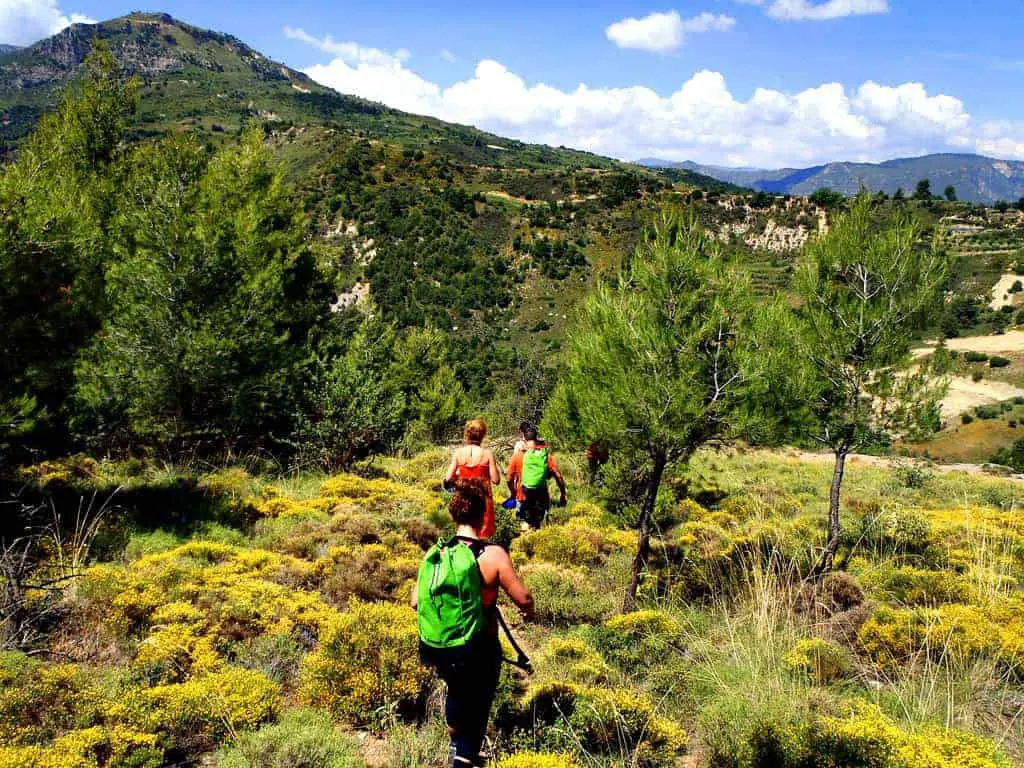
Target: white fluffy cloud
x=664, y=32
x=25, y=21
x=701, y=120
x=799, y=10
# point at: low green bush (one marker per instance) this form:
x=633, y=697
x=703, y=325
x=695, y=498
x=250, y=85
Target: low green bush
x=303, y=738
x=998, y=362
x=565, y=596
x=987, y=412
x=975, y=357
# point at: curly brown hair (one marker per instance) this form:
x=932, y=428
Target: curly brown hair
x=469, y=502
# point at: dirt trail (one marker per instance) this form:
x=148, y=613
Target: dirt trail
x=1001, y=296
x=888, y=462
x=1011, y=341
x=965, y=394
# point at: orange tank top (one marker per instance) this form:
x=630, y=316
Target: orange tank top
x=481, y=472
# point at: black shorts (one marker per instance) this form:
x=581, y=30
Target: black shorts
x=533, y=509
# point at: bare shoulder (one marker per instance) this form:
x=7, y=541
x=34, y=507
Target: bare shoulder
x=496, y=555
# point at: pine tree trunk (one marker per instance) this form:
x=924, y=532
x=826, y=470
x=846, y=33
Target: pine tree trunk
x=834, y=530
x=644, y=531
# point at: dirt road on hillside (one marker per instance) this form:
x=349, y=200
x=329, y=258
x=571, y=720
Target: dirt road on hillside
x=1011, y=341
x=889, y=462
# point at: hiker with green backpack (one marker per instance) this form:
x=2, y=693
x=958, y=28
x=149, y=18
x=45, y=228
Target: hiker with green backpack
x=528, y=474
x=456, y=606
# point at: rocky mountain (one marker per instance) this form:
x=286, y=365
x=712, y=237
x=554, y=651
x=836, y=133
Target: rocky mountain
x=975, y=178
x=7, y=48
x=213, y=83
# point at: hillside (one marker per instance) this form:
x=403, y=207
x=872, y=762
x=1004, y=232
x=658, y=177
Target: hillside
x=976, y=178
x=210, y=612
x=213, y=83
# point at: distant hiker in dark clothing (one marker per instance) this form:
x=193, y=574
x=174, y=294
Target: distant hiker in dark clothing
x=456, y=604
x=597, y=455
x=471, y=461
x=528, y=475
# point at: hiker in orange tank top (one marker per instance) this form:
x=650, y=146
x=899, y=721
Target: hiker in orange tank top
x=471, y=461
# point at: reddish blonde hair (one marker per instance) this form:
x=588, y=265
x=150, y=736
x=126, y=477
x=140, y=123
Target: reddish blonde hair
x=476, y=431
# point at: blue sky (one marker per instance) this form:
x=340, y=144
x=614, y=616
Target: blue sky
x=753, y=82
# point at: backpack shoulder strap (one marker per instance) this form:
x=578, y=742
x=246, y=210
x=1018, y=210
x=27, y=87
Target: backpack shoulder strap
x=476, y=546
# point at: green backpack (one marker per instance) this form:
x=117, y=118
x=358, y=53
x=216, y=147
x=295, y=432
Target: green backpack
x=450, y=608
x=535, y=468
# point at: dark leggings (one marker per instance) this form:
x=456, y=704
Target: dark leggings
x=472, y=679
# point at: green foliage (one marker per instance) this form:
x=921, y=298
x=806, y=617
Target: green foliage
x=303, y=738
x=826, y=198
x=354, y=407
x=1012, y=456
x=865, y=286
x=614, y=721
x=822, y=661
x=213, y=298
x=367, y=667
x=668, y=337
x=661, y=359
x=54, y=210
x=565, y=596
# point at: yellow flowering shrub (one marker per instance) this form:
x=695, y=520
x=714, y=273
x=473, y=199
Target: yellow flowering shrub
x=202, y=711
x=956, y=633
x=425, y=467
x=867, y=737
x=380, y=495
x=39, y=701
x=609, y=721
x=574, y=660
x=286, y=507
x=913, y=586
x=577, y=543
x=63, y=471
x=586, y=511
x=370, y=572
x=234, y=483
x=368, y=661
x=537, y=760
x=96, y=747
x=172, y=653
x=566, y=595
x=819, y=659
x=638, y=640
x=233, y=593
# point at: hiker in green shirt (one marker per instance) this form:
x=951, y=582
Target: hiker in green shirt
x=528, y=474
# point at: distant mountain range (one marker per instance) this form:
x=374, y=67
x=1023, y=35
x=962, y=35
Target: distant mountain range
x=7, y=48
x=976, y=178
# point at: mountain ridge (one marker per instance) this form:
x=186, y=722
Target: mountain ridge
x=214, y=83
x=976, y=178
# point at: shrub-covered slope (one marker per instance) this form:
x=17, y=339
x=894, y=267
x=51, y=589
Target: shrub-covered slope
x=247, y=634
